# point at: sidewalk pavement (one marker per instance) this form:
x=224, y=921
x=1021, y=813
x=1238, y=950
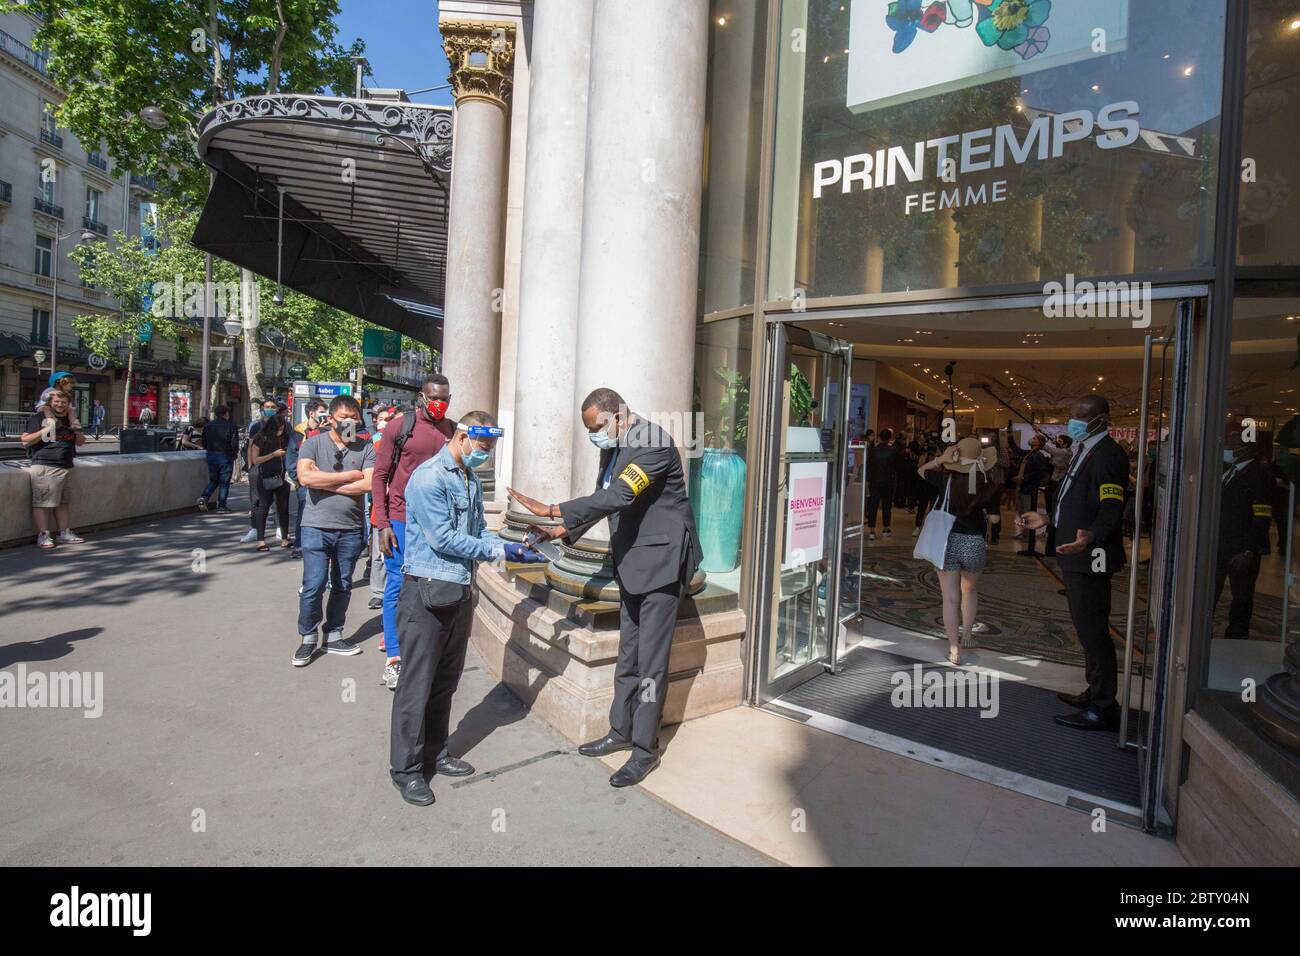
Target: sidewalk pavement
x=213, y=749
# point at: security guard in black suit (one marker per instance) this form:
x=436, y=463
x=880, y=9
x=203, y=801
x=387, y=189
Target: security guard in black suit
x=1245, y=510
x=641, y=489
x=1088, y=517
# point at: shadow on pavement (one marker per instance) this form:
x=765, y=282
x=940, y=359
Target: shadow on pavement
x=47, y=648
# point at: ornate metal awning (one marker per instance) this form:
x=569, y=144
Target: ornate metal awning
x=365, y=186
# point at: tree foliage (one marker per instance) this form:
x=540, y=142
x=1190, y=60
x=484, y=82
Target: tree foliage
x=113, y=58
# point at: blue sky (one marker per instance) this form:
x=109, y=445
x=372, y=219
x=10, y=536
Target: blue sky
x=402, y=43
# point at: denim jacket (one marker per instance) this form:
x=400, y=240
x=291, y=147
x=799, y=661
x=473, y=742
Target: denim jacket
x=445, y=528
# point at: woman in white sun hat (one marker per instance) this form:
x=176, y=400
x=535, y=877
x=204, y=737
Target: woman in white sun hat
x=964, y=476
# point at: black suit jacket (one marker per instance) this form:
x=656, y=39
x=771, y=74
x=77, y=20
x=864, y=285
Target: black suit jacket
x=1245, y=510
x=652, y=531
x=1094, y=500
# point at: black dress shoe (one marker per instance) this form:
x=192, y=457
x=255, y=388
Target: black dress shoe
x=415, y=791
x=632, y=772
x=450, y=766
x=1074, y=700
x=1090, y=718
x=609, y=744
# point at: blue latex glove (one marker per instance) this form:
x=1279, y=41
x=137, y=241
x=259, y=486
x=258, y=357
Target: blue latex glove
x=519, y=554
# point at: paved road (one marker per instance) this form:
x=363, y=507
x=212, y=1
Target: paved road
x=213, y=749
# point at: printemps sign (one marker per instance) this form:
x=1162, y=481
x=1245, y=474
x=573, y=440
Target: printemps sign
x=945, y=158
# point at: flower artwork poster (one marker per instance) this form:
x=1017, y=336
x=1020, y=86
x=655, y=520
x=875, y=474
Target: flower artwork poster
x=906, y=50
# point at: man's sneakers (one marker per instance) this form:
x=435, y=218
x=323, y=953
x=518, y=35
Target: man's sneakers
x=886, y=533
x=392, y=674
x=916, y=532
x=871, y=535
x=336, y=643
x=203, y=506
x=376, y=604
x=305, y=652
x=67, y=536
x=223, y=510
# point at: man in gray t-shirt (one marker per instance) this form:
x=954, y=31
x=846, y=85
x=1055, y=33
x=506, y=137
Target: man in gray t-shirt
x=335, y=467
x=326, y=508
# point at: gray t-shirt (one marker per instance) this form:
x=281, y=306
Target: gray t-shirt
x=329, y=510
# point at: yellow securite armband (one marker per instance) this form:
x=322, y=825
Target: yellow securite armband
x=635, y=478
x=1262, y=511
x=1111, y=492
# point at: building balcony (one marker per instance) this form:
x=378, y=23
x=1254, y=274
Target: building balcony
x=145, y=183
x=97, y=160
x=53, y=139
x=6, y=193
x=21, y=51
x=93, y=226
x=49, y=209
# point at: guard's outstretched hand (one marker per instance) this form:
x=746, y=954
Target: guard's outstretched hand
x=530, y=504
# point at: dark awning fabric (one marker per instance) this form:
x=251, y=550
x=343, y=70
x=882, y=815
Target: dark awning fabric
x=368, y=236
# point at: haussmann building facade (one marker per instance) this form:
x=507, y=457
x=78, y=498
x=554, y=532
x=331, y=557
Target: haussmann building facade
x=776, y=225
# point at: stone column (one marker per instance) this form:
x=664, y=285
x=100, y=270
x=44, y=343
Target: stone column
x=641, y=212
x=544, y=411
x=481, y=54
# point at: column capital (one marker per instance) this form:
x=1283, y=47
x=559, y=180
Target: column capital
x=481, y=54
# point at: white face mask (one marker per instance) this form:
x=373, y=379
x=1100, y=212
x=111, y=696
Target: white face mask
x=602, y=439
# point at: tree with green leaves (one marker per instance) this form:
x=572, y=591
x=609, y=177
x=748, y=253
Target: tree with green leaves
x=162, y=288
x=114, y=58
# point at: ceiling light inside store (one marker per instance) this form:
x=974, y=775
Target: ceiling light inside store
x=1187, y=71
x=1294, y=24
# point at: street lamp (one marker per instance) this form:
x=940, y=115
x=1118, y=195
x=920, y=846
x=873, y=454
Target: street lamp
x=153, y=117
x=86, y=235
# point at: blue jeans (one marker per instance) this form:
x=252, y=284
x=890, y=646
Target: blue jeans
x=333, y=554
x=300, y=492
x=392, y=588
x=220, y=468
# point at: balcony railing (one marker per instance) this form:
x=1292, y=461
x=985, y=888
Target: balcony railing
x=93, y=226
x=54, y=139
x=48, y=208
x=16, y=48
x=6, y=192
x=98, y=161
x=149, y=183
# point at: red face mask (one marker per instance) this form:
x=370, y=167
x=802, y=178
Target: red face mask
x=436, y=408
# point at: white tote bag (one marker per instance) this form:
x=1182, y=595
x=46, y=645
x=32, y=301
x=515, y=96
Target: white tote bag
x=932, y=542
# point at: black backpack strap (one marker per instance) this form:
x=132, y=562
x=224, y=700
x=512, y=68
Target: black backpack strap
x=408, y=426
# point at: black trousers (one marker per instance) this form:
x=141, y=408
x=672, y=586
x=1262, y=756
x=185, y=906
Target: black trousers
x=645, y=638
x=433, y=656
x=1089, y=597
x=879, y=494
x=262, y=509
x=1242, y=583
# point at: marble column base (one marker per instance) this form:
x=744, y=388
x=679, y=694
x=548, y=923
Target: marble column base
x=557, y=651
x=586, y=570
x=1277, y=709
x=518, y=522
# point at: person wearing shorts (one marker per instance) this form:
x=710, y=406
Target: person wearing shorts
x=51, y=444
x=964, y=476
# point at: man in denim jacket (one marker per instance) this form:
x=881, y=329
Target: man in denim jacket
x=446, y=533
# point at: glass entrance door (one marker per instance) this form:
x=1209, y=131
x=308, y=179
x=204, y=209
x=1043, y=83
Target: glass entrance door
x=809, y=411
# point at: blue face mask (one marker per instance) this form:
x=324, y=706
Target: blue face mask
x=475, y=457
x=1076, y=429
x=268, y=412
x=1229, y=456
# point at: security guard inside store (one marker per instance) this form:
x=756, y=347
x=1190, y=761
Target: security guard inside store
x=1245, y=511
x=641, y=489
x=1088, y=517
